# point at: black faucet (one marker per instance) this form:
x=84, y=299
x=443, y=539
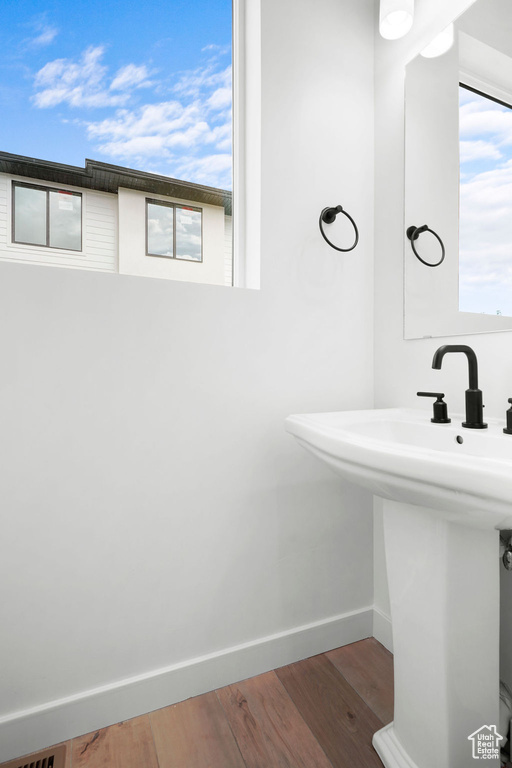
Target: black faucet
x=474, y=405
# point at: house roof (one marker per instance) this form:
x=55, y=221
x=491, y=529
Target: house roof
x=108, y=178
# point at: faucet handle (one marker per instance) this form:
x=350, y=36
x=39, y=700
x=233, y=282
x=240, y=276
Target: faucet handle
x=439, y=395
x=440, y=408
x=508, y=429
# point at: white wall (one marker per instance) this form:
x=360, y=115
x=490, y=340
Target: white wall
x=132, y=242
x=153, y=509
x=404, y=367
x=99, y=231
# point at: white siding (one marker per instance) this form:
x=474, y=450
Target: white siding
x=132, y=245
x=228, y=250
x=99, y=232
x=3, y=211
x=100, y=243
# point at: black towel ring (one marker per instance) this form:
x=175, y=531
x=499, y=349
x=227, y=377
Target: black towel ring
x=328, y=215
x=414, y=232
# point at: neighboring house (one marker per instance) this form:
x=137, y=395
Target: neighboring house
x=113, y=219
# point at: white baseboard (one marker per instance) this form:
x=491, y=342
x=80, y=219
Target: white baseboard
x=32, y=729
x=390, y=750
x=382, y=629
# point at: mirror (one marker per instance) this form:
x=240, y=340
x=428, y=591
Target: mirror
x=458, y=179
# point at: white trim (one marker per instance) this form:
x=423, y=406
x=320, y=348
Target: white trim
x=246, y=142
x=382, y=629
x=32, y=729
x=485, y=68
x=486, y=87
x=389, y=749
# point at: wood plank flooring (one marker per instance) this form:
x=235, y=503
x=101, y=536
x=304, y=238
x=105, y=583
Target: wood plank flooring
x=362, y=665
x=339, y=719
x=317, y=713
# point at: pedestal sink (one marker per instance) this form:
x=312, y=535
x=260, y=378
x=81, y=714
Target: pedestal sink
x=447, y=491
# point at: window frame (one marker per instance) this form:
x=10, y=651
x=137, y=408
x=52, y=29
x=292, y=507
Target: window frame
x=247, y=141
x=42, y=188
x=486, y=94
x=168, y=204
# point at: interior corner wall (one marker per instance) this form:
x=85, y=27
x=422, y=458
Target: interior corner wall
x=404, y=367
x=159, y=527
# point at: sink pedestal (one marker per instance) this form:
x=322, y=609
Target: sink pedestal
x=444, y=594
x=448, y=492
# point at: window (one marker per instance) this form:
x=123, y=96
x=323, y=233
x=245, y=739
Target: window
x=51, y=218
x=139, y=107
x=174, y=231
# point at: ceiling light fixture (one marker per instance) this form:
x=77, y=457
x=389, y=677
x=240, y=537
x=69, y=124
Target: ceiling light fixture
x=440, y=44
x=395, y=18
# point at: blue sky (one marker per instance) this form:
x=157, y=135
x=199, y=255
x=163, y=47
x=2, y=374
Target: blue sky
x=485, y=225
x=144, y=85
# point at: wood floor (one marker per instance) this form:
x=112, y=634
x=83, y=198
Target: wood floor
x=317, y=713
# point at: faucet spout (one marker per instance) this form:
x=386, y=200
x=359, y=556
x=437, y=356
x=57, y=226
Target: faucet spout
x=472, y=361
x=474, y=404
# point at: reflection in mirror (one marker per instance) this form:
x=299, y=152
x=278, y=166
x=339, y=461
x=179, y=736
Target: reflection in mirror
x=457, y=108
x=485, y=224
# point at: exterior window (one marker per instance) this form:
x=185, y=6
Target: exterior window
x=174, y=231
x=51, y=218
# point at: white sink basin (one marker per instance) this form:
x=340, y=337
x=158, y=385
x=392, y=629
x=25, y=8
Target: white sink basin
x=464, y=474
x=446, y=490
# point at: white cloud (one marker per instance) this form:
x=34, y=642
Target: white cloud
x=481, y=117
x=201, y=170
x=218, y=50
x=478, y=150
x=485, y=259
x=193, y=84
x=148, y=146
x=221, y=136
x=136, y=149
x=220, y=99
x=79, y=84
x=160, y=130
x=131, y=76
x=84, y=83
x=46, y=36
x=161, y=119
x=178, y=131
x=485, y=122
